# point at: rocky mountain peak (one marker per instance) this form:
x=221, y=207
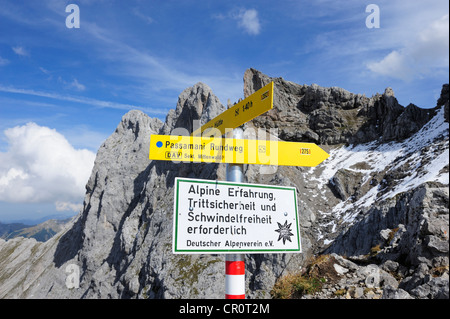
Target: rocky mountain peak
x=389, y=92
x=196, y=103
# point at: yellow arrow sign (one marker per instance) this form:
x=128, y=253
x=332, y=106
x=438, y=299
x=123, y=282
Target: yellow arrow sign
x=256, y=104
x=237, y=151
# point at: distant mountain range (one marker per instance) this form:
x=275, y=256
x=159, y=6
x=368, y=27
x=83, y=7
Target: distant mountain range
x=34, y=221
x=41, y=232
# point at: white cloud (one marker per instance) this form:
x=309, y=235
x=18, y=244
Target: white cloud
x=77, y=85
x=137, y=12
x=81, y=99
x=40, y=166
x=3, y=61
x=421, y=55
x=395, y=64
x=74, y=85
x=20, y=51
x=249, y=21
x=68, y=206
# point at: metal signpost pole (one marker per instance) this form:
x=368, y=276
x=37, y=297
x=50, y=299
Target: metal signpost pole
x=234, y=263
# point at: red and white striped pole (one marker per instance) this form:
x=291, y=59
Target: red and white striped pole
x=235, y=276
x=234, y=263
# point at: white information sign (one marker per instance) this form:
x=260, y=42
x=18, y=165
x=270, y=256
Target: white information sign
x=226, y=217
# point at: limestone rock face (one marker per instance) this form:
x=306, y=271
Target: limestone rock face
x=380, y=200
x=334, y=115
x=197, y=103
x=444, y=100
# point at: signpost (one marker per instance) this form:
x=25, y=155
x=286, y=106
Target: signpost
x=225, y=217
x=233, y=217
x=237, y=151
x=256, y=104
x=235, y=263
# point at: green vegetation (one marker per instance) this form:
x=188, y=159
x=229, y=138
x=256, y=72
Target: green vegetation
x=295, y=285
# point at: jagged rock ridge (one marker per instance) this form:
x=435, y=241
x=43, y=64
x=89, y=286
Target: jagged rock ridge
x=334, y=115
x=390, y=174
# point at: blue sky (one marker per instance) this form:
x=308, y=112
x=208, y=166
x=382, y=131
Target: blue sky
x=64, y=90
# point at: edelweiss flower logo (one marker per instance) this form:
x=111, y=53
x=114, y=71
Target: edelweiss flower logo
x=285, y=232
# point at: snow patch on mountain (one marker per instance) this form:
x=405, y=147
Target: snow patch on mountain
x=424, y=157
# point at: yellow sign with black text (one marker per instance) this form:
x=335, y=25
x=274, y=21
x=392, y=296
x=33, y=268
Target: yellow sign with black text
x=237, y=151
x=256, y=104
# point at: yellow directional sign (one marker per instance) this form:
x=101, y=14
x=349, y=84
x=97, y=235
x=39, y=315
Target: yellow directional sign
x=237, y=151
x=256, y=104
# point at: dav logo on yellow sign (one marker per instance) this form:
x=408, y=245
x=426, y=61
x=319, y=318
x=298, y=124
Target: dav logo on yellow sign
x=225, y=217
